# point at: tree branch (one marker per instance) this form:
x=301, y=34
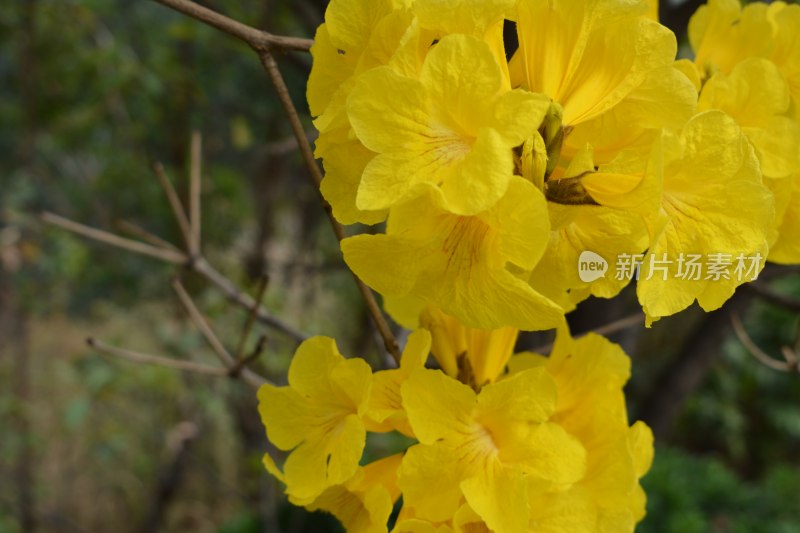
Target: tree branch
x=198, y=265
x=156, y=360
x=200, y=323
x=790, y=365
x=164, y=254
x=271, y=68
x=257, y=39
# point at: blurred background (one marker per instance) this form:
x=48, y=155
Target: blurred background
x=92, y=94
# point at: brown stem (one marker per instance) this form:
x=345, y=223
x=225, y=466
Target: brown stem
x=271, y=67
x=165, y=254
x=175, y=203
x=257, y=39
x=195, y=187
x=211, y=338
x=156, y=360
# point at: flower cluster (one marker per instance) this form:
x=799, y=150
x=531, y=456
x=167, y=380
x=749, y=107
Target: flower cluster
x=495, y=143
x=496, y=163
x=501, y=443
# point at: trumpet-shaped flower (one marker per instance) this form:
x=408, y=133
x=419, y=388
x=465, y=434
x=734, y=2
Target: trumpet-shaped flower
x=484, y=448
x=756, y=95
x=363, y=503
x=590, y=373
x=715, y=205
x=469, y=267
x=473, y=356
x=453, y=129
x=588, y=56
x=386, y=411
x=319, y=417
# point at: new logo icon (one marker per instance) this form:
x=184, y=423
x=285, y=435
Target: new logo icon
x=591, y=266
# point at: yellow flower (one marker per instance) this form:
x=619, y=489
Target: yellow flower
x=363, y=504
x=473, y=356
x=319, y=417
x=453, y=130
x=590, y=373
x=385, y=411
x=485, y=448
x=576, y=229
x=469, y=267
x=757, y=97
x=589, y=56
x=714, y=205
x=356, y=37
x=722, y=34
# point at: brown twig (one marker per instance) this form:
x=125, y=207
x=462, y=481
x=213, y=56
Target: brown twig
x=147, y=359
x=145, y=235
x=195, y=188
x=257, y=39
x=165, y=254
x=263, y=282
x=224, y=285
x=271, y=67
x=175, y=203
x=606, y=329
x=198, y=265
x=213, y=341
x=789, y=365
x=255, y=354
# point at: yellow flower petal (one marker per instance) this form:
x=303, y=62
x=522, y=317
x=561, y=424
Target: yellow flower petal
x=715, y=204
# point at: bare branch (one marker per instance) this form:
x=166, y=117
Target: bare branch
x=202, y=267
x=271, y=67
x=177, y=208
x=147, y=359
x=198, y=265
x=195, y=188
x=263, y=282
x=145, y=235
x=211, y=338
x=201, y=324
x=606, y=329
x=241, y=363
x=790, y=365
x=165, y=254
x=257, y=39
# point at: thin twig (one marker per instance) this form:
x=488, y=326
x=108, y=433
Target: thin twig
x=145, y=235
x=606, y=329
x=195, y=188
x=263, y=282
x=618, y=325
x=211, y=338
x=271, y=67
x=203, y=268
x=255, y=354
x=165, y=254
x=199, y=265
x=201, y=324
x=257, y=39
x=147, y=359
x=783, y=366
x=177, y=208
